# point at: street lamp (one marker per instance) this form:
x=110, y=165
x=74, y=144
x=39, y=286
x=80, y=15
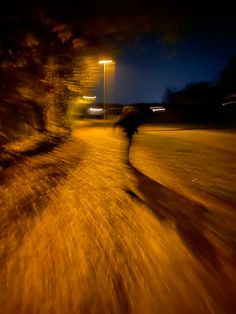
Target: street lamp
x=104, y=62
x=89, y=97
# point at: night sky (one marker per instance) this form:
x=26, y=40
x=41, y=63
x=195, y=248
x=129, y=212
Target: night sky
x=160, y=45
x=148, y=66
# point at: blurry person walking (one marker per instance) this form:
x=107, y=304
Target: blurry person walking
x=129, y=121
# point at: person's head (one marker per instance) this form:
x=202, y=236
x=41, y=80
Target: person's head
x=128, y=109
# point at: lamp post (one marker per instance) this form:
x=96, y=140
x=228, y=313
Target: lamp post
x=104, y=62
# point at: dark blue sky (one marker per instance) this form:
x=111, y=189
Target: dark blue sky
x=146, y=67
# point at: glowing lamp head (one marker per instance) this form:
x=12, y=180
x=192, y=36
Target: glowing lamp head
x=89, y=97
x=105, y=61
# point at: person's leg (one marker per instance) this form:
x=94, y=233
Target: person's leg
x=129, y=138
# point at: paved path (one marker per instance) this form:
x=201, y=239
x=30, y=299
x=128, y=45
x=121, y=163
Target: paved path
x=74, y=239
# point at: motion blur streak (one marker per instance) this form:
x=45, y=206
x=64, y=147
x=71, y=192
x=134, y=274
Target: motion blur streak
x=73, y=241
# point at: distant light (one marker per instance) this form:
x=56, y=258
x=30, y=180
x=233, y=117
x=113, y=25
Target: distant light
x=158, y=108
x=89, y=97
x=228, y=103
x=93, y=110
x=105, y=61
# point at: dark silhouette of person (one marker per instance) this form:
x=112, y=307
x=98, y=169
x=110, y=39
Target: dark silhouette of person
x=129, y=121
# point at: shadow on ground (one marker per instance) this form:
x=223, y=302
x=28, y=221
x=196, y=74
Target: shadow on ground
x=188, y=216
x=7, y=158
